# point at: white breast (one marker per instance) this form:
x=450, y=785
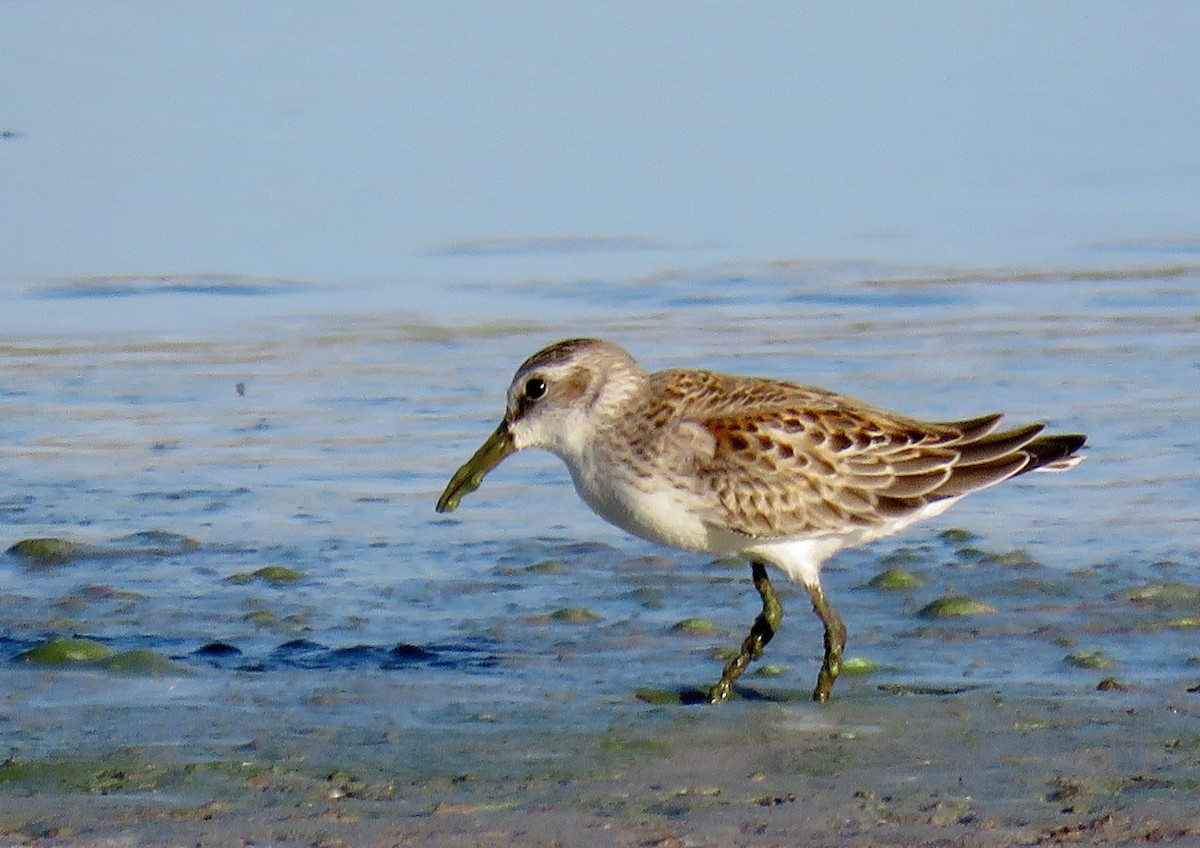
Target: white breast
x=663, y=515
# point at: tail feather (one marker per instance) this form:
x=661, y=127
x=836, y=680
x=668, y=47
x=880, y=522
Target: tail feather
x=998, y=446
x=974, y=429
x=1055, y=452
x=971, y=478
x=1002, y=456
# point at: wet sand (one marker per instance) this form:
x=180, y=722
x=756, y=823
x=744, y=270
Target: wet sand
x=875, y=767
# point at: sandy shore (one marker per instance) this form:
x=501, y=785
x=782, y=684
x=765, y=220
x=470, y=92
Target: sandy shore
x=973, y=768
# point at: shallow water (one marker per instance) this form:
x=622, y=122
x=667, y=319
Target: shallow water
x=451, y=627
x=266, y=273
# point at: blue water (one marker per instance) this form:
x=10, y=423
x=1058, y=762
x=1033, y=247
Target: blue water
x=382, y=142
x=349, y=425
x=368, y=217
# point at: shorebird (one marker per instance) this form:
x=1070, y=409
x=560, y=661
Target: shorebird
x=783, y=474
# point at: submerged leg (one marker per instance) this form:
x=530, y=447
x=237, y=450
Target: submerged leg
x=835, y=642
x=760, y=634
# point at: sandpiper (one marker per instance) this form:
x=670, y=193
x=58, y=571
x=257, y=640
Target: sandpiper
x=780, y=473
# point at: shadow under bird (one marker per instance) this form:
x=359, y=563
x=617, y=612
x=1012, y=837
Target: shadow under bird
x=782, y=474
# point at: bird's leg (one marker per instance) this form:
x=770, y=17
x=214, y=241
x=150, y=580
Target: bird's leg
x=760, y=634
x=835, y=642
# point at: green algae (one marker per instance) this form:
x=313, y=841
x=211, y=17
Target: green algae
x=93, y=777
x=47, y=551
x=295, y=622
x=670, y=697
x=1169, y=594
x=1091, y=660
x=860, y=666
x=1017, y=558
x=907, y=555
x=548, y=566
x=141, y=663
x=159, y=542
x=62, y=651
x=575, y=615
x=966, y=555
x=955, y=606
x=956, y=535
x=895, y=579
x=970, y=555
x=44, y=552
x=695, y=627
x=96, y=655
x=771, y=670
x=274, y=575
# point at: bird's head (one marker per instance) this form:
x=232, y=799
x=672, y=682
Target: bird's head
x=556, y=400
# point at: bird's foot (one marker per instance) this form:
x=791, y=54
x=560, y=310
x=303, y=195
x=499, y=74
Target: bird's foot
x=760, y=634
x=835, y=643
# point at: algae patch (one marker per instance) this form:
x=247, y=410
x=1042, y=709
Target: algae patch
x=94, y=777
x=61, y=651
x=142, y=663
x=564, y=615
x=156, y=542
x=273, y=575
x=860, y=666
x=695, y=627
x=549, y=566
x=895, y=579
x=575, y=615
x=660, y=697
x=1091, y=660
x=770, y=670
x=50, y=551
x=955, y=606
x=47, y=551
x=1171, y=595
x=956, y=535
x=88, y=653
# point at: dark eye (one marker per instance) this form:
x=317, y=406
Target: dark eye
x=535, y=388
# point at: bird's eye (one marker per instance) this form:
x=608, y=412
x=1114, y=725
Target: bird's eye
x=535, y=388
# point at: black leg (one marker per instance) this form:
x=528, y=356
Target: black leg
x=760, y=634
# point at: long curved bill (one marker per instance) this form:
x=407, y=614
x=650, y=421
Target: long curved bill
x=468, y=478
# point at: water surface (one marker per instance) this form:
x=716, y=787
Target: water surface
x=267, y=273
x=346, y=427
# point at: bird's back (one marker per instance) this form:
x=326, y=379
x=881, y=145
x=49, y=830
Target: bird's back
x=769, y=459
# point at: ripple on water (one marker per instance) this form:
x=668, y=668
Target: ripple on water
x=217, y=285
x=524, y=618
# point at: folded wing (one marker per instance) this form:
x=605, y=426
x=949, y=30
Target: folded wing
x=802, y=461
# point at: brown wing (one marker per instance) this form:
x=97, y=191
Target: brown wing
x=773, y=459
